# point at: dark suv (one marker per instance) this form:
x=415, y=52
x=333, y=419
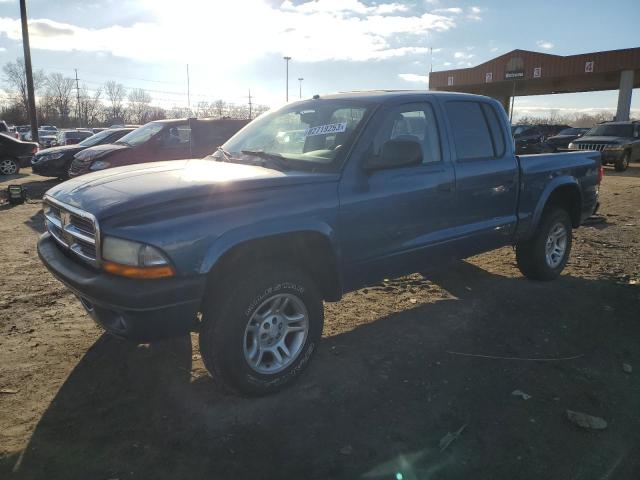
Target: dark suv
x=619, y=143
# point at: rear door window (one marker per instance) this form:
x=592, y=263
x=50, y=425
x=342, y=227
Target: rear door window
x=497, y=134
x=471, y=135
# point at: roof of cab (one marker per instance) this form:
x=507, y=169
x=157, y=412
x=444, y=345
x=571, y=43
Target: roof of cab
x=382, y=96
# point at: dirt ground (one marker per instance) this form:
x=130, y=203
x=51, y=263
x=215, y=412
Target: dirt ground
x=389, y=380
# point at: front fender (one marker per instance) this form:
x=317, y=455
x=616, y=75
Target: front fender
x=263, y=230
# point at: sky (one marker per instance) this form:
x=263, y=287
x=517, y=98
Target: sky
x=233, y=46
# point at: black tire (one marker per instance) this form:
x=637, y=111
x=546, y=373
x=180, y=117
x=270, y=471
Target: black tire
x=623, y=163
x=531, y=255
x=229, y=311
x=9, y=166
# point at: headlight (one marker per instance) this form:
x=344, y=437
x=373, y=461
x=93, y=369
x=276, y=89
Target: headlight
x=99, y=165
x=572, y=146
x=133, y=259
x=52, y=156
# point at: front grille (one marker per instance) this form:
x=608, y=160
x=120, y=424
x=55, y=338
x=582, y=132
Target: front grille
x=74, y=229
x=79, y=166
x=598, y=147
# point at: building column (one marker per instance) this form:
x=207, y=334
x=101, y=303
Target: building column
x=624, y=95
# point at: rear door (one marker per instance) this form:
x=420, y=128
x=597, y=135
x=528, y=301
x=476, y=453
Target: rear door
x=486, y=175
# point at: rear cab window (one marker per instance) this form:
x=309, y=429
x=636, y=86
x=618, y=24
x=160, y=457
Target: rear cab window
x=476, y=130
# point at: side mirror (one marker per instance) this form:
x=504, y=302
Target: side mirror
x=396, y=154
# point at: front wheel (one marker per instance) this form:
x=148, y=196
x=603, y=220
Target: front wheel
x=544, y=256
x=9, y=166
x=259, y=332
x=623, y=163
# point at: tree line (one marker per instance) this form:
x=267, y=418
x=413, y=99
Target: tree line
x=61, y=102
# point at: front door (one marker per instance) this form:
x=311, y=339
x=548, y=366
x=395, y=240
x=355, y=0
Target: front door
x=389, y=218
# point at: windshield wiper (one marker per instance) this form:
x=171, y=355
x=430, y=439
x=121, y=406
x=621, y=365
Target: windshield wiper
x=226, y=156
x=276, y=159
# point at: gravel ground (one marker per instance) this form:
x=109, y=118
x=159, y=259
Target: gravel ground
x=391, y=378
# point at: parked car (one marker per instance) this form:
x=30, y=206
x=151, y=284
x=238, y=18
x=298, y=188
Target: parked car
x=55, y=161
x=565, y=137
x=244, y=246
x=23, y=130
x=156, y=141
x=7, y=130
x=14, y=154
x=550, y=130
x=529, y=139
x=72, y=137
x=619, y=143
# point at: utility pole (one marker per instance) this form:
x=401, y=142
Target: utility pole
x=250, y=104
x=188, y=89
x=78, y=99
x=300, y=87
x=31, y=99
x=286, y=59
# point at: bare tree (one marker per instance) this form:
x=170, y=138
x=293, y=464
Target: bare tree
x=116, y=94
x=15, y=81
x=139, y=102
x=90, y=106
x=219, y=107
x=60, y=92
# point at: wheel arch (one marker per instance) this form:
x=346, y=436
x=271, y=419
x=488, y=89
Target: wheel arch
x=311, y=250
x=563, y=192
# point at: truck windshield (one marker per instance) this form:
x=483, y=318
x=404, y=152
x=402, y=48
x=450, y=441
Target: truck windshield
x=309, y=134
x=611, y=131
x=140, y=135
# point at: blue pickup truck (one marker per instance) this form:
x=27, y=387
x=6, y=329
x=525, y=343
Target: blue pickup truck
x=307, y=202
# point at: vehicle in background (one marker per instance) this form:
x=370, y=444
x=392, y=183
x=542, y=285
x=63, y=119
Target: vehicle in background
x=550, y=130
x=156, y=141
x=23, y=130
x=529, y=139
x=14, y=154
x=565, y=137
x=71, y=137
x=100, y=129
x=55, y=161
x=246, y=245
x=7, y=130
x=619, y=143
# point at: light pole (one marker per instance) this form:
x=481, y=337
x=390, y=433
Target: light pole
x=300, y=87
x=286, y=59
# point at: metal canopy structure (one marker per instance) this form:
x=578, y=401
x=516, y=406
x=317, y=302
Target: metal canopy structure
x=522, y=72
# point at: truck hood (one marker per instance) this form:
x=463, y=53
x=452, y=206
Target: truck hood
x=67, y=149
x=132, y=187
x=99, y=151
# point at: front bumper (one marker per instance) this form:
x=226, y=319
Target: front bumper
x=139, y=310
x=51, y=168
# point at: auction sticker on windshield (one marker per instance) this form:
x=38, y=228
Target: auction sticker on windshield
x=324, y=129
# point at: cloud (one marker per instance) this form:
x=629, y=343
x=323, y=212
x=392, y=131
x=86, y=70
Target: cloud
x=3, y=49
x=544, y=44
x=312, y=31
x=453, y=10
x=463, y=55
x=493, y=49
x=474, y=13
x=413, y=77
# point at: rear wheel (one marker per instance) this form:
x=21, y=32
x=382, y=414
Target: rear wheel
x=544, y=256
x=9, y=166
x=623, y=163
x=260, y=330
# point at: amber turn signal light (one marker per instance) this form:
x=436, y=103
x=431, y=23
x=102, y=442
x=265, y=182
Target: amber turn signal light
x=163, y=271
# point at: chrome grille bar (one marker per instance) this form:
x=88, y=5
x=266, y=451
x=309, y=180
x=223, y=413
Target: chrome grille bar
x=74, y=229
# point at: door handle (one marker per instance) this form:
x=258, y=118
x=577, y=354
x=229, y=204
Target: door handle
x=445, y=187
